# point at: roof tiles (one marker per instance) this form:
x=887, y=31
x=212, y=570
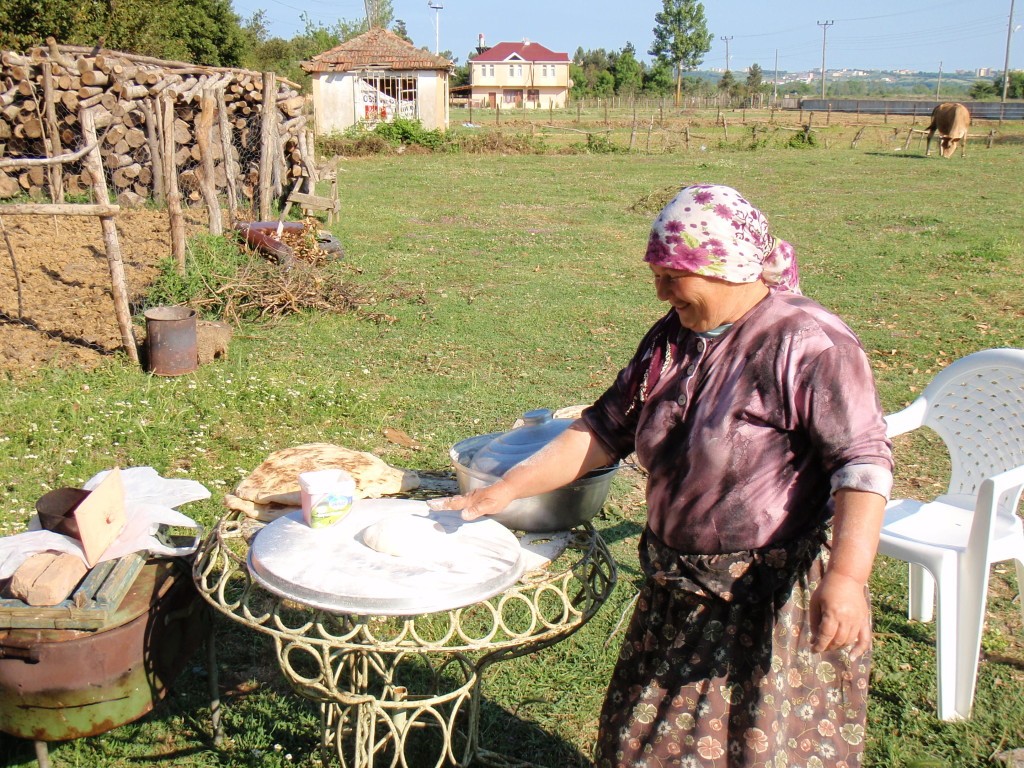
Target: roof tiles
x=525, y=50
x=376, y=48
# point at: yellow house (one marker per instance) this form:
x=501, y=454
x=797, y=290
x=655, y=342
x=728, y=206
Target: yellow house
x=522, y=74
x=376, y=77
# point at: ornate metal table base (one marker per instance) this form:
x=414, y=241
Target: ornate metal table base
x=405, y=691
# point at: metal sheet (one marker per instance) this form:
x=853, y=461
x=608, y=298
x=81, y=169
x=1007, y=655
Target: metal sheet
x=332, y=569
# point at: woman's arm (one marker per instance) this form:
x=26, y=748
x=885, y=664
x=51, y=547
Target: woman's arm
x=840, y=614
x=569, y=456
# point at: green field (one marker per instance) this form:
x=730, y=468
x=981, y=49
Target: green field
x=504, y=283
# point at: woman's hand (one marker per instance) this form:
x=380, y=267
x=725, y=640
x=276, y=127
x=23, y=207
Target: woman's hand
x=480, y=502
x=840, y=615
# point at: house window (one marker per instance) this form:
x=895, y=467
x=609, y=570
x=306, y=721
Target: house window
x=515, y=70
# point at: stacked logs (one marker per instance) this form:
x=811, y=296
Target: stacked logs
x=224, y=141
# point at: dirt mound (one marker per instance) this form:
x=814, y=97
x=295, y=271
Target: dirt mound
x=66, y=313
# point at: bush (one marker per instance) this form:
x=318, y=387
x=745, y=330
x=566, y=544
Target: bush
x=802, y=140
x=598, y=144
x=411, y=132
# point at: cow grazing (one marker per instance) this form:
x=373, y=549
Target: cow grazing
x=951, y=120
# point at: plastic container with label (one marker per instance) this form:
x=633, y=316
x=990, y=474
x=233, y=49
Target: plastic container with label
x=326, y=495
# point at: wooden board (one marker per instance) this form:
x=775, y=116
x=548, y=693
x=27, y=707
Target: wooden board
x=89, y=607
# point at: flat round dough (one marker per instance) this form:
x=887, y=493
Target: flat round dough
x=407, y=536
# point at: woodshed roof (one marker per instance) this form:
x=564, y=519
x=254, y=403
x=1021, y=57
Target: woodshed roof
x=376, y=48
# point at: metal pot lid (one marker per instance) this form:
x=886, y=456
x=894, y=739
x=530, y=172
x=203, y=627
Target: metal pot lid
x=335, y=570
x=509, y=448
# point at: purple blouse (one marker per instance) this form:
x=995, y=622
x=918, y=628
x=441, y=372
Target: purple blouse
x=746, y=434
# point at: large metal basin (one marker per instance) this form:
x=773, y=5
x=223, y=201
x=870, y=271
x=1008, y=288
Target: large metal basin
x=555, y=510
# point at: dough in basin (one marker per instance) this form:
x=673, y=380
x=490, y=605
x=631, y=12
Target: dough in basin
x=407, y=536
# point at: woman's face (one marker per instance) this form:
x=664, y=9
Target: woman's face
x=702, y=303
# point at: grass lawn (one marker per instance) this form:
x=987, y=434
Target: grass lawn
x=516, y=282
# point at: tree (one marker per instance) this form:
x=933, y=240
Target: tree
x=379, y=13
x=399, y=29
x=754, y=78
x=628, y=72
x=681, y=37
x=658, y=78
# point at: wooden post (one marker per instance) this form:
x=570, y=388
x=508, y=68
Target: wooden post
x=687, y=135
x=725, y=125
x=156, y=161
x=204, y=140
x=230, y=166
x=119, y=289
x=53, y=146
x=14, y=266
x=268, y=128
x=632, y=134
x=166, y=109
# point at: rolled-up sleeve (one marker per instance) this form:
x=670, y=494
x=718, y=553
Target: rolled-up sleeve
x=838, y=404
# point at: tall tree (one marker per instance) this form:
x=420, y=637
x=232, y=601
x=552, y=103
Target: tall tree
x=628, y=72
x=681, y=37
x=755, y=78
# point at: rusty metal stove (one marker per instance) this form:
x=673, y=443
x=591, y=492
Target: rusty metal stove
x=102, y=658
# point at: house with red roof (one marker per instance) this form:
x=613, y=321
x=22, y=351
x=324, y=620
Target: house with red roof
x=376, y=77
x=524, y=74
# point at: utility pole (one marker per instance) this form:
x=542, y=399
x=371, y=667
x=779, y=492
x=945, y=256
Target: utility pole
x=775, y=86
x=938, y=85
x=1006, y=62
x=726, y=39
x=824, y=29
x=438, y=7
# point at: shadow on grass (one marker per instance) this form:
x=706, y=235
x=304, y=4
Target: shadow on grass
x=899, y=155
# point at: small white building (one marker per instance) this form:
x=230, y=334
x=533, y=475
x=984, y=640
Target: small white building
x=376, y=77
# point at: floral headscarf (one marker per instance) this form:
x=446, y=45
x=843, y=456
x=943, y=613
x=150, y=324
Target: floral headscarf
x=712, y=231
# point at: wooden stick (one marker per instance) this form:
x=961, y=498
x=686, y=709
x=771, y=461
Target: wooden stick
x=268, y=131
x=27, y=162
x=230, y=166
x=54, y=147
x=171, y=190
x=118, y=285
x=14, y=265
x=204, y=140
x=156, y=156
x=59, y=209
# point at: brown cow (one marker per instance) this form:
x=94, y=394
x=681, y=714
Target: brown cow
x=951, y=120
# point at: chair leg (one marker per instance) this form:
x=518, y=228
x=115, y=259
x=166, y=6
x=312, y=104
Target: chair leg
x=1020, y=585
x=946, y=648
x=922, y=594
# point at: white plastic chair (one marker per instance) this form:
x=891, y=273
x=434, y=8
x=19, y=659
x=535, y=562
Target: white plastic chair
x=976, y=405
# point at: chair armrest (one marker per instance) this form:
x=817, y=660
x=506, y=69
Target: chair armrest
x=909, y=418
x=1005, y=481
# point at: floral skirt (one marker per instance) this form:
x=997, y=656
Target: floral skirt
x=717, y=670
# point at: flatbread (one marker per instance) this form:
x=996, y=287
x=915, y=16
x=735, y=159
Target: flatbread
x=273, y=487
x=407, y=536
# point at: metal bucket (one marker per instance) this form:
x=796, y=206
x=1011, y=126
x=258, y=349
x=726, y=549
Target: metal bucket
x=171, y=340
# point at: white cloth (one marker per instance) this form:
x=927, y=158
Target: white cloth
x=149, y=501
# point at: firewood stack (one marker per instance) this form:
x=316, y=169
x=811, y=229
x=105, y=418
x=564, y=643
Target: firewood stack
x=223, y=141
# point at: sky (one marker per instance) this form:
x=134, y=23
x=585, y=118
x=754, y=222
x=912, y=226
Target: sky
x=868, y=34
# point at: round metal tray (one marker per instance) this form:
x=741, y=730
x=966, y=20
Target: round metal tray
x=332, y=569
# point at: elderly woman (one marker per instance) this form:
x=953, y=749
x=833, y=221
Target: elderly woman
x=755, y=413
